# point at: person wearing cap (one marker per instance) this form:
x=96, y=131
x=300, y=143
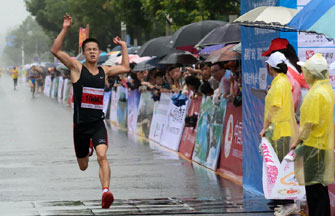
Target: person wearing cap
x=279, y=120
x=294, y=72
x=314, y=149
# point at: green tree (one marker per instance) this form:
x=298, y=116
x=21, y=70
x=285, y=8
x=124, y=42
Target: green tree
x=49, y=14
x=182, y=12
x=130, y=12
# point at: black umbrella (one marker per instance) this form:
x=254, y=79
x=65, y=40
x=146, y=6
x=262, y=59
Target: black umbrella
x=155, y=47
x=133, y=50
x=191, y=34
x=179, y=58
x=229, y=33
x=148, y=64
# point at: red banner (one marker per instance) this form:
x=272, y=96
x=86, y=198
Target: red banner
x=231, y=152
x=189, y=134
x=83, y=35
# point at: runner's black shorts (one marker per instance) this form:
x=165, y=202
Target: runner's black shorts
x=85, y=133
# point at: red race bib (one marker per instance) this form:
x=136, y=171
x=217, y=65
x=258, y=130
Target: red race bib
x=92, y=98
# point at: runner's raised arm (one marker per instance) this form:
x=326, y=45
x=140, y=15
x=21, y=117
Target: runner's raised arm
x=124, y=67
x=56, y=49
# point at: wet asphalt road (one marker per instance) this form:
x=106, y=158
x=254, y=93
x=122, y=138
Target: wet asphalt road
x=39, y=173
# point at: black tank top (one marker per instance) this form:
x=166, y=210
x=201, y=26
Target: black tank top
x=88, y=94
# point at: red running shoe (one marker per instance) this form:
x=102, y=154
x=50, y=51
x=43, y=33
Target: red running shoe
x=107, y=199
x=91, y=149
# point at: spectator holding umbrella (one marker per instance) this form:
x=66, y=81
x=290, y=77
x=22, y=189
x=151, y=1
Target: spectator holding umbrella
x=314, y=149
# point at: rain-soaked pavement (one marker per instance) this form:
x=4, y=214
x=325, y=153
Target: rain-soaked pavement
x=39, y=173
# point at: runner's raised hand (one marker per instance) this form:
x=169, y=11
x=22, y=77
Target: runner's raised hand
x=67, y=21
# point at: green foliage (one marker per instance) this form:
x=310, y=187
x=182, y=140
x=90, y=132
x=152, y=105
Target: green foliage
x=145, y=19
x=183, y=12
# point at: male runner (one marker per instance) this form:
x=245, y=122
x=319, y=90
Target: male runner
x=33, y=77
x=88, y=85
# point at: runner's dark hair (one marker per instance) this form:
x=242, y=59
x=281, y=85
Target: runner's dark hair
x=88, y=40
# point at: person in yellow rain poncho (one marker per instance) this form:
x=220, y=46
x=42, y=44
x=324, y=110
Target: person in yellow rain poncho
x=279, y=121
x=280, y=126
x=314, y=150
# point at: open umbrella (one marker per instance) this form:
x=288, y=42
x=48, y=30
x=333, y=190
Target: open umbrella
x=189, y=35
x=237, y=48
x=179, y=58
x=224, y=54
x=132, y=59
x=205, y=52
x=147, y=64
x=228, y=33
x=317, y=16
x=102, y=58
x=155, y=47
x=272, y=17
x=111, y=60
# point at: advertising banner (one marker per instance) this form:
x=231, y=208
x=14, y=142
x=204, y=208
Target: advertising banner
x=122, y=107
x=254, y=76
x=54, y=93
x=113, y=109
x=309, y=44
x=144, y=117
x=231, y=154
x=107, y=97
x=209, y=133
x=67, y=84
x=173, y=129
x=47, y=85
x=189, y=134
x=159, y=117
x=133, y=102
x=60, y=89
x=279, y=181
x=51, y=87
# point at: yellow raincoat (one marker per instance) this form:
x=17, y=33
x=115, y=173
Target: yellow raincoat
x=279, y=110
x=314, y=162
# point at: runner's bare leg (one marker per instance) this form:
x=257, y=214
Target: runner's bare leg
x=104, y=169
x=83, y=163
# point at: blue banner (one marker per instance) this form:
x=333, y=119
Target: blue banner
x=254, y=79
